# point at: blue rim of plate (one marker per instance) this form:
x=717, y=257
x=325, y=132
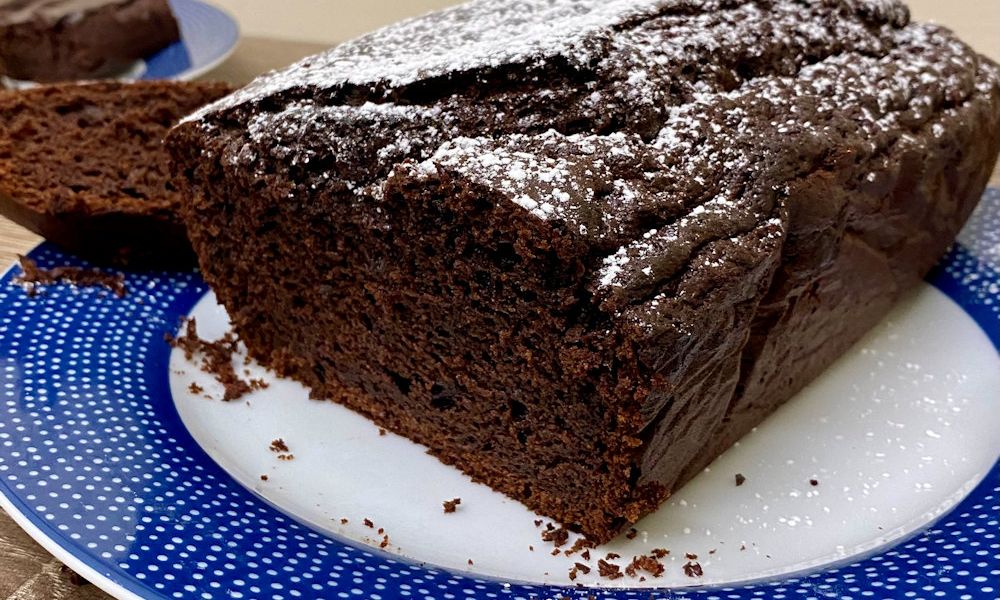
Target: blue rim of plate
x=97, y=466
x=208, y=36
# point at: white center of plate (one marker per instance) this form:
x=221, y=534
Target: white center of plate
x=895, y=434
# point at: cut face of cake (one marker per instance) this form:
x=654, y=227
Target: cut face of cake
x=579, y=248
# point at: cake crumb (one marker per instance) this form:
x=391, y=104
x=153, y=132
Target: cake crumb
x=690, y=556
x=740, y=479
x=33, y=277
x=384, y=542
x=612, y=556
x=263, y=477
x=632, y=533
x=381, y=431
x=713, y=551
x=538, y=522
x=194, y=388
x=585, y=555
x=693, y=569
x=580, y=544
x=558, y=537
x=470, y=562
x=531, y=548
x=279, y=445
x=556, y=551
x=659, y=552
x=609, y=570
x=368, y=523
x=217, y=360
x=813, y=482
x=451, y=506
x=344, y=521
x=645, y=563
x=578, y=568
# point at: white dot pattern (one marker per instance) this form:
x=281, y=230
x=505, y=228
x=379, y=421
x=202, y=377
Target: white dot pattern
x=93, y=453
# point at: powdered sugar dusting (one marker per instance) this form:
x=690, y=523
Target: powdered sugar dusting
x=613, y=266
x=683, y=115
x=487, y=34
x=483, y=33
x=551, y=175
x=702, y=149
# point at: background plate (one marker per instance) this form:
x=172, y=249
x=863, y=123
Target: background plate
x=208, y=36
x=97, y=464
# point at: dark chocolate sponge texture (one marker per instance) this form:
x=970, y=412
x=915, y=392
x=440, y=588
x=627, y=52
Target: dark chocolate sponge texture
x=59, y=40
x=84, y=165
x=579, y=248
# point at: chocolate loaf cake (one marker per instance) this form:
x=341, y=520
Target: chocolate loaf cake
x=84, y=165
x=579, y=248
x=59, y=40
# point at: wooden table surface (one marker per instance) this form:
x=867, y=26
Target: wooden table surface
x=27, y=571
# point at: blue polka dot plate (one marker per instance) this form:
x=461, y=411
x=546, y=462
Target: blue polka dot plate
x=116, y=453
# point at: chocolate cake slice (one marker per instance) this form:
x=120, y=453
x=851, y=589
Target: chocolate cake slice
x=59, y=40
x=579, y=248
x=84, y=165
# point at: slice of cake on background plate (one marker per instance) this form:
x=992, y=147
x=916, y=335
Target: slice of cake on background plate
x=60, y=40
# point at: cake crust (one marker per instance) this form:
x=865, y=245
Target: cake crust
x=580, y=258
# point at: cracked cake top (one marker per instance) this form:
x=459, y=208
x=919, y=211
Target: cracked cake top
x=644, y=129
